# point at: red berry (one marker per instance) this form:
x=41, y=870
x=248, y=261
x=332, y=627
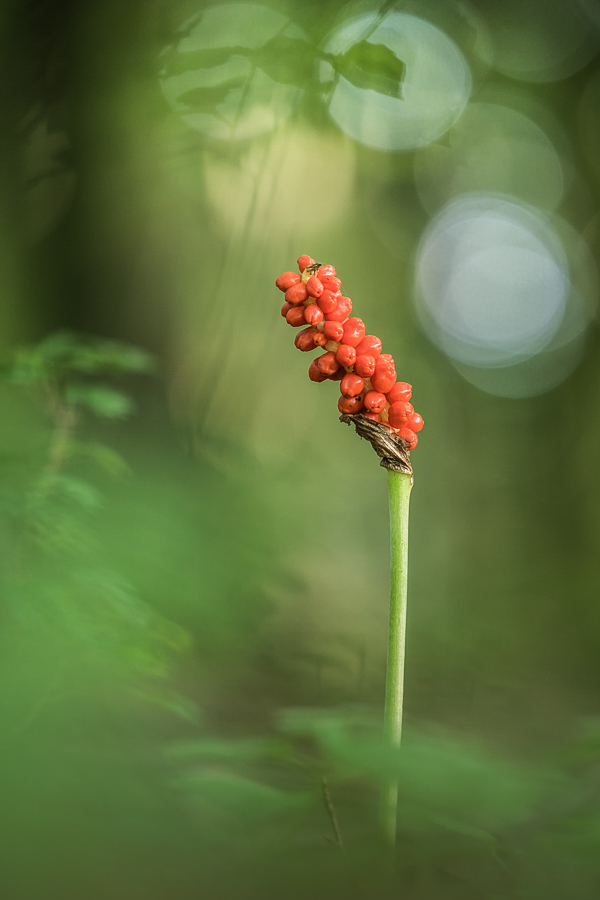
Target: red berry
x=327, y=301
x=351, y=385
x=341, y=372
x=325, y=270
x=314, y=373
x=408, y=435
x=375, y=417
x=386, y=359
x=327, y=363
x=313, y=314
x=341, y=311
x=415, y=422
x=333, y=331
x=350, y=405
x=383, y=379
x=304, y=261
x=286, y=280
x=305, y=339
x=374, y=401
x=285, y=309
x=370, y=345
x=364, y=365
x=331, y=283
x=320, y=339
x=399, y=413
x=296, y=294
x=401, y=391
x=354, y=331
x=295, y=316
x=314, y=286
x=346, y=355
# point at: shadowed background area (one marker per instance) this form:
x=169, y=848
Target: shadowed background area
x=195, y=550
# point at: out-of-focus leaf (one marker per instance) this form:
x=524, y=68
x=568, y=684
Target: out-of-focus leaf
x=107, y=458
x=372, y=67
x=222, y=795
x=102, y=401
x=234, y=751
x=56, y=485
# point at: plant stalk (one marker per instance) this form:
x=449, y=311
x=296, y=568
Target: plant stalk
x=399, y=488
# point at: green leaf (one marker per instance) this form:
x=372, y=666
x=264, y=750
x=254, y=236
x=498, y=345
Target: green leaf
x=371, y=67
x=102, y=401
x=105, y=457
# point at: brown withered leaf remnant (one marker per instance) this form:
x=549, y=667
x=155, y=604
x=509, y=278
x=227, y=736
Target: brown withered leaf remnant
x=393, y=450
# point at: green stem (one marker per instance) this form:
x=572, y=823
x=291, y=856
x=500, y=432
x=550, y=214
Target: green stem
x=399, y=487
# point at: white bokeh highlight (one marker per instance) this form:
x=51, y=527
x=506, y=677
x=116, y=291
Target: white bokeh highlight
x=435, y=91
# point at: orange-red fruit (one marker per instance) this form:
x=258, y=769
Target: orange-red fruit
x=331, y=283
x=320, y=339
x=374, y=401
x=415, y=422
x=364, y=365
x=314, y=373
x=314, y=286
x=383, y=379
x=346, y=355
x=286, y=280
x=399, y=413
x=313, y=314
x=386, y=359
x=354, y=331
x=295, y=316
x=370, y=345
x=401, y=391
x=327, y=301
x=375, y=417
x=341, y=311
x=285, y=309
x=337, y=376
x=351, y=385
x=305, y=339
x=333, y=331
x=350, y=405
x=296, y=294
x=408, y=435
x=327, y=363
x=324, y=271
x=304, y=261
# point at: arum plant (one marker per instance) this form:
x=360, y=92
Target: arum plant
x=379, y=408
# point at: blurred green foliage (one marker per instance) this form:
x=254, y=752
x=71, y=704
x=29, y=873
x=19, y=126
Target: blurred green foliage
x=194, y=564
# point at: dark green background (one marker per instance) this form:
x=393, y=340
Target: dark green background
x=253, y=526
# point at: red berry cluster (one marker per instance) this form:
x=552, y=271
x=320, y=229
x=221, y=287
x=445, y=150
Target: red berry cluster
x=367, y=376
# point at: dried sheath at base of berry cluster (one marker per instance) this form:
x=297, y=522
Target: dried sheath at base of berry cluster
x=370, y=392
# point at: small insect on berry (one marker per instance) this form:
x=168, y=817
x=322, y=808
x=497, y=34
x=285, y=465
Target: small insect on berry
x=304, y=262
x=324, y=271
x=286, y=280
